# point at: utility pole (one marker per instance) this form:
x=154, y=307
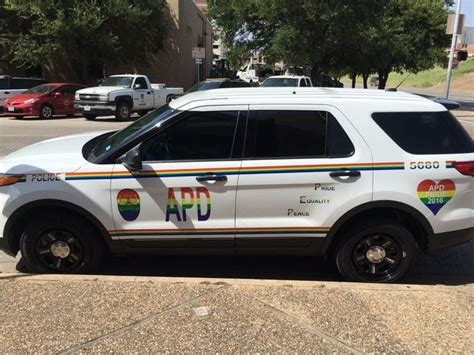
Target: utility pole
x=453, y=47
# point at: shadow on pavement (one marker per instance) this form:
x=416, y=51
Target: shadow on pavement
x=429, y=270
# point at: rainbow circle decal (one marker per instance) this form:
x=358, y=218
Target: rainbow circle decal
x=128, y=203
x=436, y=194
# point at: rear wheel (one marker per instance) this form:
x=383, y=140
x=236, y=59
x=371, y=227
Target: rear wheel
x=123, y=111
x=90, y=117
x=46, y=112
x=376, y=253
x=61, y=244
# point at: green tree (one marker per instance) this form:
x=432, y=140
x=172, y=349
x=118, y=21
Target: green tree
x=82, y=32
x=337, y=37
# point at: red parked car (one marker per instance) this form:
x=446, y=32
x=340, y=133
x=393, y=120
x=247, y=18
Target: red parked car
x=43, y=101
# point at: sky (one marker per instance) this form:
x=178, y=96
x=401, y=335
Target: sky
x=467, y=8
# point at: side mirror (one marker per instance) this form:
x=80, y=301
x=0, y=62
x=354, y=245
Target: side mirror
x=137, y=86
x=131, y=160
x=57, y=94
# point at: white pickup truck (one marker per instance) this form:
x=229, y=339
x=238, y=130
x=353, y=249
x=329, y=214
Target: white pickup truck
x=121, y=95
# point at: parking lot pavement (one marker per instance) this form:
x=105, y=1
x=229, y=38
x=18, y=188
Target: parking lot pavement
x=80, y=314
x=16, y=133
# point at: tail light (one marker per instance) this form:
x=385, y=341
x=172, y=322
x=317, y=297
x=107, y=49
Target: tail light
x=464, y=167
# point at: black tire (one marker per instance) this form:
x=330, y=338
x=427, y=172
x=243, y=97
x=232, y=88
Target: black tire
x=123, y=111
x=90, y=117
x=375, y=253
x=46, y=112
x=61, y=244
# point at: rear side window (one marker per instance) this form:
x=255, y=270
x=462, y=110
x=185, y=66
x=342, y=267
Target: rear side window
x=425, y=132
x=295, y=134
x=4, y=84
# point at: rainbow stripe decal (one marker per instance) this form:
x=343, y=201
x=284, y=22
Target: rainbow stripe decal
x=128, y=203
x=435, y=195
x=285, y=169
x=138, y=233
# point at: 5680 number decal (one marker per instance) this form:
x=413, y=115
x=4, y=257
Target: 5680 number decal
x=424, y=165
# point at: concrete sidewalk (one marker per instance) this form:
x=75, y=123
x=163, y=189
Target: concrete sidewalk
x=77, y=314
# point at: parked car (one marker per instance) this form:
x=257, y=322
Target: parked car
x=367, y=178
x=288, y=80
x=121, y=95
x=374, y=81
x=11, y=86
x=249, y=73
x=210, y=84
x=44, y=101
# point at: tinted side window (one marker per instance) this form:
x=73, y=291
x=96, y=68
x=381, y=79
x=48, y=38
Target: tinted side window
x=201, y=136
x=295, y=134
x=4, y=84
x=425, y=132
x=142, y=82
x=20, y=84
x=31, y=83
x=303, y=82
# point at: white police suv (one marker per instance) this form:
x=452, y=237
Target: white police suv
x=365, y=177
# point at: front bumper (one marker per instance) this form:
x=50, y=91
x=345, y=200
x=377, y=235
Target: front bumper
x=95, y=108
x=450, y=239
x=21, y=110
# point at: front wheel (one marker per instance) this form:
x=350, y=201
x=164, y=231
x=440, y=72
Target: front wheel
x=376, y=253
x=46, y=112
x=60, y=244
x=123, y=111
x=90, y=117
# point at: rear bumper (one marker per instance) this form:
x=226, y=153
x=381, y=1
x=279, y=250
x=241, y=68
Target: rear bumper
x=450, y=239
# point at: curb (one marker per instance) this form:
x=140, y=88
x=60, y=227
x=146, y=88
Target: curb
x=347, y=286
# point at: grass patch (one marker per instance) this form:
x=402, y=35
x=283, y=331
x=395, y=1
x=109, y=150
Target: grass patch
x=423, y=79
x=431, y=77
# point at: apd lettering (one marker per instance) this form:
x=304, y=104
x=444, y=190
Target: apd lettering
x=200, y=197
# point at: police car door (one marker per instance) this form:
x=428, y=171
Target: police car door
x=185, y=194
x=300, y=173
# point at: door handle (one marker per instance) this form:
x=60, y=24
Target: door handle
x=211, y=177
x=345, y=173
x=7, y=92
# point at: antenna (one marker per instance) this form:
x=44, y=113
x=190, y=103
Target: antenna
x=401, y=82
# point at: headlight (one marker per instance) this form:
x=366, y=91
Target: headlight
x=30, y=101
x=6, y=180
x=103, y=97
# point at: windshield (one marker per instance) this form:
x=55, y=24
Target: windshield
x=40, y=89
x=280, y=82
x=122, y=81
x=130, y=132
x=205, y=85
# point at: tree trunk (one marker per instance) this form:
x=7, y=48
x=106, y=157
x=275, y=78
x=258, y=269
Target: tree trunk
x=354, y=77
x=383, y=77
x=315, y=75
x=365, y=77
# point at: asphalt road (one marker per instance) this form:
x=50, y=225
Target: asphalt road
x=453, y=266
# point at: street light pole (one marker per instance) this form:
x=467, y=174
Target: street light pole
x=453, y=47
